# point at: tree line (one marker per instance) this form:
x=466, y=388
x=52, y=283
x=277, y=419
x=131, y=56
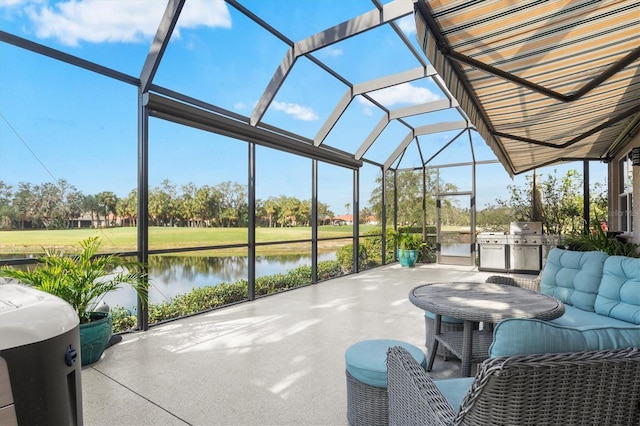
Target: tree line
x=558, y=202
x=60, y=205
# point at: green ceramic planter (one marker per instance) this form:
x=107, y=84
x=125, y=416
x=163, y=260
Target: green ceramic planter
x=94, y=337
x=407, y=258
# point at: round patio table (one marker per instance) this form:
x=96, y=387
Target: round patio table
x=474, y=303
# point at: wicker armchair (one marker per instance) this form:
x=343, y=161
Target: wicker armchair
x=579, y=388
x=527, y=283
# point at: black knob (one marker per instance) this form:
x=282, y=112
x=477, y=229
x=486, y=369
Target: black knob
x=71, y=356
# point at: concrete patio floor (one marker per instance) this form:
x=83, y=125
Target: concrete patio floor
x=276, y=361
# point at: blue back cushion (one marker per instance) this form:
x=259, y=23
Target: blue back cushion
x=517, y=336
x=619, y=294
x=573, y=277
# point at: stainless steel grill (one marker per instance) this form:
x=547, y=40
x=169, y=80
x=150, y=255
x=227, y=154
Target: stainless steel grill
x=525, y=242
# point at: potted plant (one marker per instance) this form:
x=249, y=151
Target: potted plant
x=408, y=245
x=82, y=279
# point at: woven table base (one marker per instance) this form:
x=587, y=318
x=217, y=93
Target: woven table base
x=445, y=327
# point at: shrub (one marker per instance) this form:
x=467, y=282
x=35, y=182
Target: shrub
x=329, y=269
x=345, y=257
x=123, y=320
x=209, y=297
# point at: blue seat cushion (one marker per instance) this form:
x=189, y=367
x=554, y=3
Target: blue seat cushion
x=367, y=360
x=619, y=293
x=517, y=336
x=573, y=277
x=454, y=390
x=574, y=317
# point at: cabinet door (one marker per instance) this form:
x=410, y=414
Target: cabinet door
x=531, y=258
x=517, y=258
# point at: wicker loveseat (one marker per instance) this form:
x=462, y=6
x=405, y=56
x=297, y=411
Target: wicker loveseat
x=596, y=289
x=577, y=388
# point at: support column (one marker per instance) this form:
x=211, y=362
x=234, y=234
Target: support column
x=314, y=221
x=251, y=255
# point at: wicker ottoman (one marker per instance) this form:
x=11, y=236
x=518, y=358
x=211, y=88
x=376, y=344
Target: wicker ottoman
x=367, y=380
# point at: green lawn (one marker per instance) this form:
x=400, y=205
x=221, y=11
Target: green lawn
x=124, y=239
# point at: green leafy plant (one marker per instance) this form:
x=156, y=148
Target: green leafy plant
x=82, y=279
x=598, y=240
x=407, y=240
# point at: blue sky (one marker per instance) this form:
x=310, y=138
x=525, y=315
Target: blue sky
x=59, y=122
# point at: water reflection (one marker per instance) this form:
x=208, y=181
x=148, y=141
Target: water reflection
x=174, y=275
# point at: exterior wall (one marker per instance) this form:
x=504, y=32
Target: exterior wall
x=614, y=190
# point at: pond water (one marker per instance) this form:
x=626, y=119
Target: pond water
x=174, y=275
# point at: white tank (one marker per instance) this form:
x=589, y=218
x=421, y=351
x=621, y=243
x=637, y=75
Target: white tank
x=40, y=354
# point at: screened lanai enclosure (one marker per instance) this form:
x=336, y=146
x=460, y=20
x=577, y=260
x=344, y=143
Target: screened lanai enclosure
x=253, y=140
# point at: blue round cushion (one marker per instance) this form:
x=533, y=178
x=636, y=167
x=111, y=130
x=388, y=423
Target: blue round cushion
x=443, y=318
x=367, y=360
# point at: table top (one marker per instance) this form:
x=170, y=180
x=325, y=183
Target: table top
x=484, y=301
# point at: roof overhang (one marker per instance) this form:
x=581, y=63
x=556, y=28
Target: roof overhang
x=543, y=82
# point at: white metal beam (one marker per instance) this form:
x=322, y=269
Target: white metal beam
x=377, y=130
x=442, y=127
x=424, y=130
x=333, y=118
x=359, y=24
x=394, y=79
x=399, y=150
x=160, y=42
x=365, y=22
x=400, y=113
x=425, y=108
x=273, y=87
x=369, y=86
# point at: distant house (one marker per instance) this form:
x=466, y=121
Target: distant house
x=345, y=219
x=325, y=220
x=87, y=220
x=84, y=221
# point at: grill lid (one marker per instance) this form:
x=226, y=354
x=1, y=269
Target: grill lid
x=525, y=228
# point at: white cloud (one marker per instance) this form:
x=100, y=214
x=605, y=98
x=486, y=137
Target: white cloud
x=240, y=106
x=297, y=111
x=14, y=9
x=97, y=21
x=404, y=93
x=11, y=3
x=407, y=24
x=367, y=107
x=332, y=51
